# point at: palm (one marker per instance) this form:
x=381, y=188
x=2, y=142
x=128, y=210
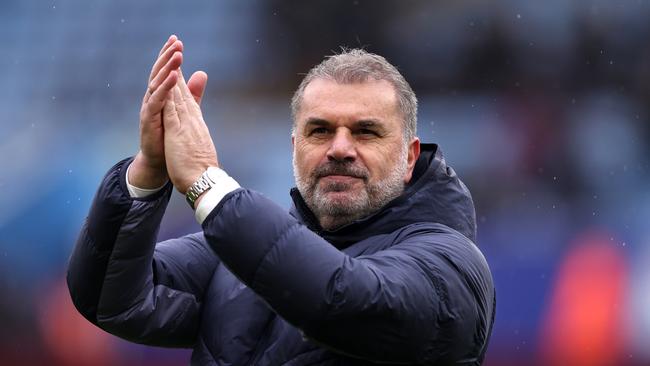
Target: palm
x=189, y=149
x=150, y=169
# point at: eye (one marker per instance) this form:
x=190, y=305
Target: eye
x=318, y=131
x=367, y=133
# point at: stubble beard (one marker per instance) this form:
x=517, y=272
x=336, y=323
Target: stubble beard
x=334, y=212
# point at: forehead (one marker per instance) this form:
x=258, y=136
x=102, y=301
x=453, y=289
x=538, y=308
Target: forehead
x=330, y=100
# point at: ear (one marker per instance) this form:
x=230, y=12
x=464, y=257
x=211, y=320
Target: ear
x=412, y=158
x=293, y=140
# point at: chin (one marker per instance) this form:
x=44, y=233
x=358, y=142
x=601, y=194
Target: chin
x=345, y=201
x=343, y=197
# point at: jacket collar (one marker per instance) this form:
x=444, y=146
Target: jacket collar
x=435, y=195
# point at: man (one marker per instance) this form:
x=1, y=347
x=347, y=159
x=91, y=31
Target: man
x=375, y=263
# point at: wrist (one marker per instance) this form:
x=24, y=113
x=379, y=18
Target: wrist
x=192, y=173
x=144, y=175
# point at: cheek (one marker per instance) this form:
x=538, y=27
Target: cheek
x=379, y=162
x=307, y=158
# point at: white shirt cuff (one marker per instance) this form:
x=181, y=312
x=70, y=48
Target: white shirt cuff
x=137, y=192
x=224, y=184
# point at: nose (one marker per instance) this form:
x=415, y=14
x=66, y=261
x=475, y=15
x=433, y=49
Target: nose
x=342, y=147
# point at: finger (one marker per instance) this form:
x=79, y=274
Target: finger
x=182, y=85
x=157, y=101
x=171, y=122
x=177, y=45
x=173, y=64
x=169, y=42
x=173, y=111
x=188, y=99
x=197, y=84
x=180, y=101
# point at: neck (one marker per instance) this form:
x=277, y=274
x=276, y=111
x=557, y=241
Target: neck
x=334, y=222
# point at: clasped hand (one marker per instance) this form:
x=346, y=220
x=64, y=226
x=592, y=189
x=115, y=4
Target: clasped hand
x=175, y=142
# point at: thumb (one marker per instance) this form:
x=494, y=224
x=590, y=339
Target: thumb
x=197, y=84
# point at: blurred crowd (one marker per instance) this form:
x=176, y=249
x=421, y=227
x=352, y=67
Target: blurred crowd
x=543, y=108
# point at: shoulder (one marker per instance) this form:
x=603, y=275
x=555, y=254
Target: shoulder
x=444, y=246
x=434, y=237
x=416, y=239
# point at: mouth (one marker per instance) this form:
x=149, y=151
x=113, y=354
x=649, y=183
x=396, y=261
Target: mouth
x=339, y=178
x=336, y=184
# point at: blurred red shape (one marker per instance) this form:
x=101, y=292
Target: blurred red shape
x=584, y=324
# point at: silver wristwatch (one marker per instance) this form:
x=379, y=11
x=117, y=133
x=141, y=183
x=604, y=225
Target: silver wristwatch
x=205, y=182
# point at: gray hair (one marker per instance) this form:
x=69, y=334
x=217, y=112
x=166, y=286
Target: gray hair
x=357, y=66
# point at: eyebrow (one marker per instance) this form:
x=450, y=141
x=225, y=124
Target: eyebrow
x=363, y=123
x=312, y=121
x=367, y=123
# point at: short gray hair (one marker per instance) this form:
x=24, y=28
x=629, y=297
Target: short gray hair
x=357, y=66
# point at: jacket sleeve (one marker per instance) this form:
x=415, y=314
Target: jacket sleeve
x=122, y=281
x=427, y=299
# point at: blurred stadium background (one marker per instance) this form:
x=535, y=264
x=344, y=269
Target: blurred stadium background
x=543, y=107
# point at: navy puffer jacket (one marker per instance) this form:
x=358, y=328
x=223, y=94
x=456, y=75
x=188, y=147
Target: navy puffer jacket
x=262, y=286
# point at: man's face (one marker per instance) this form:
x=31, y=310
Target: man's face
x=349, y=154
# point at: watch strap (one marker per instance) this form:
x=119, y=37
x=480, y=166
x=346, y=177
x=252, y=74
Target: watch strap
x=197, y=188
